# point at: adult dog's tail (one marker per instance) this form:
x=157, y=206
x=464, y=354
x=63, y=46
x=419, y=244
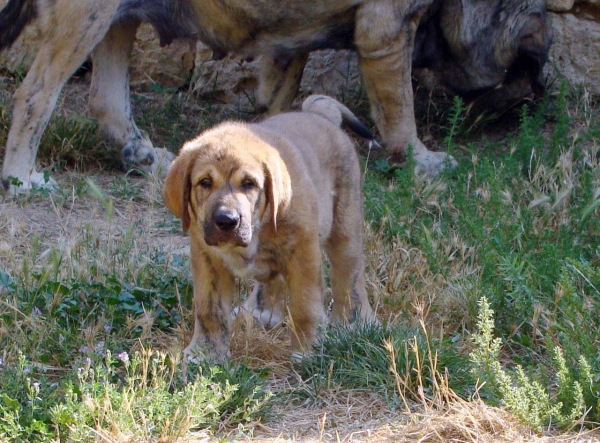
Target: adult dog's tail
x=13, y=19
x=338, y=114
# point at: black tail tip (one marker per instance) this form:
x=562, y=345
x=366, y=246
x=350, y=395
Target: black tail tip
x=360, y=129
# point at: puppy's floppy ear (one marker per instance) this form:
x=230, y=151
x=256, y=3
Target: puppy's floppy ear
x=178, y=186
x=278, y=185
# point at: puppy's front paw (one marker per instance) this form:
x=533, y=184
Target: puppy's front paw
x=200, y=350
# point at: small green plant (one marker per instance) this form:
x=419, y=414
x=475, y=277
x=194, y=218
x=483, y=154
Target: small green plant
x=528, y=399
x=456, y=120
x=71, y=141
x=26, y=395
x=144, y=396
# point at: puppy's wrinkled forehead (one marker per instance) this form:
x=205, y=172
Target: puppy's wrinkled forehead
x=226, y=161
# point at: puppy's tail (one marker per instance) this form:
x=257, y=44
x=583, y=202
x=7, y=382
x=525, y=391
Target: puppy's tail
x=13, y=19
x=338, y=114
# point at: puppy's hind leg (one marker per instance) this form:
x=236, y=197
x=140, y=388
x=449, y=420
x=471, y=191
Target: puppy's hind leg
x=350, y=299
x=110, y=103
x=305, y=281
x=68, y=36
x=344, y=248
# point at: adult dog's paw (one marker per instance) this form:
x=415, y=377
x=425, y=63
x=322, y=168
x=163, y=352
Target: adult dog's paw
x=432, y=163
x=35, y=180
x=139, y=154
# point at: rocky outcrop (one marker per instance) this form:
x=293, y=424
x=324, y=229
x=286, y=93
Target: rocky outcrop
x=575, y=52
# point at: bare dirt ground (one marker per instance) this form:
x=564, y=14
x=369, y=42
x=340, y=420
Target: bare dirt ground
x=59, y=222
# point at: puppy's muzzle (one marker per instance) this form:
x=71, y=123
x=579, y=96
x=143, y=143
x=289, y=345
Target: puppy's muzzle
x=226, y=220
x=226, y=225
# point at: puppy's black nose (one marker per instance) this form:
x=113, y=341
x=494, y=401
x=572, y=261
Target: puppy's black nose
x=227, y=220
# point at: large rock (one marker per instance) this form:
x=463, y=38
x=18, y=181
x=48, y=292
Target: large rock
x=575, y=52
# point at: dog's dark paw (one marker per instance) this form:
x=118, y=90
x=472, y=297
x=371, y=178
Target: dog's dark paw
x=140, y=155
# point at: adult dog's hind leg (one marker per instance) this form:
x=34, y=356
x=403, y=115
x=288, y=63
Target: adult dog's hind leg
x=68, y=36
x=110, y=103
x=278, y=83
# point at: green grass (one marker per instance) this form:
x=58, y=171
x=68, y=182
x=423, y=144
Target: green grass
x=488, y=273
x=524, y=215
x=397, y=361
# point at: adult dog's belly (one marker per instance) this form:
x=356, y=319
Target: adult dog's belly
x=282, y=30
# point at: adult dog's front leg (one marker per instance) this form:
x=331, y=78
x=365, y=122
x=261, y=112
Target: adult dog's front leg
x=213, y=294
x=110, y=103
x=385, y=43
x=279, y=82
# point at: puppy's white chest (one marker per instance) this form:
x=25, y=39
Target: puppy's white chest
x=246, y=263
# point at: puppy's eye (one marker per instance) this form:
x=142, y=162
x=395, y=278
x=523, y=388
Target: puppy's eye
x=248, y=184
x=206, y=183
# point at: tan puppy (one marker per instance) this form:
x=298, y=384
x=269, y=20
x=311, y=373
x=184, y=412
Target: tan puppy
x=259, y=201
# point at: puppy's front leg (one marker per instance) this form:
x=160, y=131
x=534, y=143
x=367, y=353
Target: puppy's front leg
x=305, y=281
x=213, y=294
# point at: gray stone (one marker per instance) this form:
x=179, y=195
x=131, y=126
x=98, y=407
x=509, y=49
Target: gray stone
x=560, y=5
x=575, y=52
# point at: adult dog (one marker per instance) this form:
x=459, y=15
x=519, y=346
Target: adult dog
x=493, y=51
x=259, y=201
x=283, y=32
